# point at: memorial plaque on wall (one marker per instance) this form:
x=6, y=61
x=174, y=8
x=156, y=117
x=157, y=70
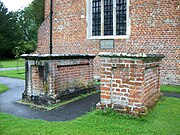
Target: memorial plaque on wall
x=107, y=44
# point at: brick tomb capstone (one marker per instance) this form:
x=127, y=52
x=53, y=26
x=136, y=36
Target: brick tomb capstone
x=54, y=78
x=130, y=83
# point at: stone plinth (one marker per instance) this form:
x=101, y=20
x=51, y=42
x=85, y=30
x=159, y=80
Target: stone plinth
x=130, y=83
x=53, y=78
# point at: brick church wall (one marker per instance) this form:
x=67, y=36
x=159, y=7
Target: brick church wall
x=155, y=29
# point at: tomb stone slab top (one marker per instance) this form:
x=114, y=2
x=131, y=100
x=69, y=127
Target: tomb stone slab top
x=56, y=56
x=131, y=55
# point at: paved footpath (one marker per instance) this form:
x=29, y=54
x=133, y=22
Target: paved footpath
x=67, y=112
x=171, y=94
x=6, y=69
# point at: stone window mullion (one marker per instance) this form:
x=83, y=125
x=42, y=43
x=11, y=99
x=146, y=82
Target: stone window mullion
x=102, y=17
x=114, y=17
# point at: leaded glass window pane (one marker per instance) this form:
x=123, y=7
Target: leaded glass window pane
x=108, y=17
x=96, y=18
x=121, y=17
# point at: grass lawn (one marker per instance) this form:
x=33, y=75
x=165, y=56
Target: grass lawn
x=8, y=63
x=163, y=120
x=14, y=73
x=3, y=88
x=170, y=88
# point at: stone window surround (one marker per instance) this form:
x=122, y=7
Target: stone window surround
x=114, y=36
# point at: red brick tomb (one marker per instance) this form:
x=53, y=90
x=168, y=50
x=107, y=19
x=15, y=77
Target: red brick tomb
x=130, y=83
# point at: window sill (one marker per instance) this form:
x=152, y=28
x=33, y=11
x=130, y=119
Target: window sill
x=109, y=37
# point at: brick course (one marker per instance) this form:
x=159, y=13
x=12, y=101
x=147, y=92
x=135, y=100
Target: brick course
x=155, y=29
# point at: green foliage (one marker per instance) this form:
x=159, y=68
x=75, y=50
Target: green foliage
x=17, y=51
x=18, y=30
x=163, y=120
x=27, y=25
x=98, y=83
x=25, y=47
x=38, y=11
x=10, y=33
x=30, y=46
x=3, y=88
x=26, y=22
x=170, y=88
x=14, y=73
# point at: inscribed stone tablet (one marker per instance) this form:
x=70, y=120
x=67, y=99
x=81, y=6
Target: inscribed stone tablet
x=107, y=44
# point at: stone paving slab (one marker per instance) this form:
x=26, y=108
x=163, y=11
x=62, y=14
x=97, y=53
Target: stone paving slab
x=67, y=112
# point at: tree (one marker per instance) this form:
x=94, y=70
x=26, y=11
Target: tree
x=9, y=32
x=19, y=29
x=29, y=21
x=29, y=29
x=27, y=24
x=17, y=51
x=38, y=11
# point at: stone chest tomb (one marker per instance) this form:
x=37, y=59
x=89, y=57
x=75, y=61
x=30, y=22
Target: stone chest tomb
x=53, y=78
